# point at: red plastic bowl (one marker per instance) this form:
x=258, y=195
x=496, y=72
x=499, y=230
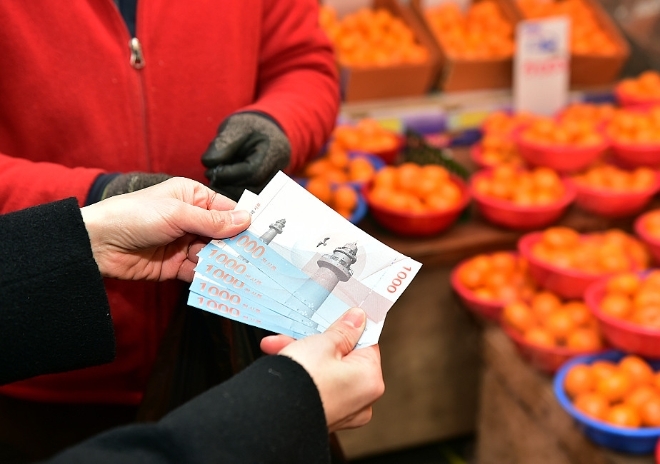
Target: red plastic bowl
x=560, y=158
x=390, y=156
x=488, y=309
x=508, y=214
x=418, y=224
x=631, y=338
x=612, y=204
x=630, y=101
x=634, y=155
x=545, y=359
x=652, y=243
x=567, y=283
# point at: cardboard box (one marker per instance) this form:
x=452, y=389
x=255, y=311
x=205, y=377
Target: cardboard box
x=406, y=80
x=454, y=74
x=595, y=70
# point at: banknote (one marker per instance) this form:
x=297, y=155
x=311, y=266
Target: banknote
x=222, y=264
x=326, y=262
x=299, y=267
x=229, y=299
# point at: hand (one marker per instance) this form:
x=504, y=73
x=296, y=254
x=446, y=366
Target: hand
x=132, y=182
x=349, y=381
x=156, y=233
x=247, y=152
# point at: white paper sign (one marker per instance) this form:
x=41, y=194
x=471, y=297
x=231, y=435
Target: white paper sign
x=541, y=69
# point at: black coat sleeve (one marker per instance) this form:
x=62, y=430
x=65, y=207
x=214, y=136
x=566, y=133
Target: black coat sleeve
x=54, y=313
x=269, y=413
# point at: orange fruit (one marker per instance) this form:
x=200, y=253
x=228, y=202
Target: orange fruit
x=345, y=198
x=543, y=303
x=623, y=415
x=649, y=412
x=579, y=379
x=603, y=369
x=321, y=189
x=615, y=386
x=559, y=323
x=616, y=305
x=592, y=404
x=539, y=337
x=584, y=339
x=640, y=371
x=518, y=316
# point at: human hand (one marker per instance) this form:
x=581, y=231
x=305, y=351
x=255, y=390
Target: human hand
x=156, y=233
x=247, y=152
x=349, y=381
x=132, y=182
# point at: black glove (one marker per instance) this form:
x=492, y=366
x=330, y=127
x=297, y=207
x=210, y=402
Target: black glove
x=127, y=183
x=247, y=152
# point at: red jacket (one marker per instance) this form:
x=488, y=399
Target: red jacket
x=72, y=106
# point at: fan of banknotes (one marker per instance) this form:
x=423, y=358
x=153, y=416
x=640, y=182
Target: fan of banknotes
x=299, y=267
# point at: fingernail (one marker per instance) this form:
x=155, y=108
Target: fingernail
x=354, y=317
x=239, y=216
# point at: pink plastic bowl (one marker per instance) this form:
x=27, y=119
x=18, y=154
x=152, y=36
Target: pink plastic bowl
x=611, y=204
x=508, y=214
x=652, y=243
x=631, y=338
x=633, y=155
x=545, y=359
x=418, y=224
x=560, y=158
x=567, y=283
x=630, y=101
x=488, y=309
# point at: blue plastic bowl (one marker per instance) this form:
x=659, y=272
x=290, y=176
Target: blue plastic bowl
x=639, y=440
x=360, y=210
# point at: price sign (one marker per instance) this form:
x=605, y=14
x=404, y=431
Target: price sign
x=541, y=69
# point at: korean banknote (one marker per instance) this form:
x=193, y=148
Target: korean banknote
x=299, y=267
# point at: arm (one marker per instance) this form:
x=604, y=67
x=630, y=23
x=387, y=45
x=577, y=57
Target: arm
x=276, y=410
x=53, y=309
x=298, y=84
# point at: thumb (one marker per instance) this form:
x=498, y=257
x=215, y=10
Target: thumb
x=213, y=223
x=347, y=330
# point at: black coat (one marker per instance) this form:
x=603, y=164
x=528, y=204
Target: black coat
x=54, y=317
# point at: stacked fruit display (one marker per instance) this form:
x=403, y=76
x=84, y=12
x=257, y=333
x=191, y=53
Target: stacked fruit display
x=371, y=38
x=481, y=32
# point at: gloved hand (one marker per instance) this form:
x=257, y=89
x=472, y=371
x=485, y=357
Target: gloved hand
x=247, y=152
x=127, y=183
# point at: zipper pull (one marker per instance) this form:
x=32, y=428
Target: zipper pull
x=137, y=58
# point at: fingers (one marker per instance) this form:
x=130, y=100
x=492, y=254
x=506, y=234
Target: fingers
x=219, y=151
x=346, y=331
x=273, y=344
x=215, y=224
x=245, y=165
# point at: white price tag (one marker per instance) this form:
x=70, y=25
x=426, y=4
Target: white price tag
x=541, y=69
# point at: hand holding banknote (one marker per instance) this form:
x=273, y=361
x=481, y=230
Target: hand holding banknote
x=349, y=381
x=156, y=233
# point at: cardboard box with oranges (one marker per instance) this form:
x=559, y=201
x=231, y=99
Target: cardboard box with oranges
x=474, y=42
x=386, y=70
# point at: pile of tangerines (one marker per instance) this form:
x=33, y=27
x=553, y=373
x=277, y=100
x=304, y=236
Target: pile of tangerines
x=371, y=38
x=635, y=126
x=561, y=132
x=548, y=322
x=481, y=32
x=633, y=298
x=522, y=187
x=595, y=253
x=625, y=393
x=587, y=35
x=646, y=86
x=610, y=178
x=497, y=145
x=412, y=188
x=500, y=277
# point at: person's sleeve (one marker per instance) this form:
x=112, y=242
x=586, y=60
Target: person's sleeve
x=25, y=183
x=271, y=412
x=54, y=313
x=298, y=82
